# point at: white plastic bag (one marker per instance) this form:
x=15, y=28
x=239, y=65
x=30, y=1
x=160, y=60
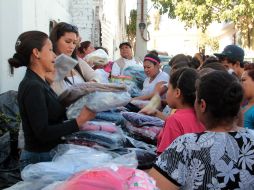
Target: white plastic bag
x=63, y=65
x=98, y=102
x=97, y=57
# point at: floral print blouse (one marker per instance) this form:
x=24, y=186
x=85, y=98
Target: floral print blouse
x=210, y=160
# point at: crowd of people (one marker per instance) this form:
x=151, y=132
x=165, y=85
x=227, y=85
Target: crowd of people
x=206, y=141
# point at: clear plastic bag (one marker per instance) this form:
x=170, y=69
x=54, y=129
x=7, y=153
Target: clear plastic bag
x=146, y=133
x=76, y=91
x=63, y=65
x=68, y=160
x=114, y=178
x=99, y=126
x=139, y=119
x=97, y=57
x=132, y=87
x=98, y=102
x=137, y=73
x=97, y=139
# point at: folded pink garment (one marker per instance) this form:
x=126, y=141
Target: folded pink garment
x=105, y=178
x=99, y=126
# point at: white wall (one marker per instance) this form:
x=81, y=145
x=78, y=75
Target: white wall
x=113, y=27
x=17, y=16
x=10, y=28
x=82, y=12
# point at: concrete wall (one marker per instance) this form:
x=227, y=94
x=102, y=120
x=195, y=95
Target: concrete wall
x=113, y=27
x=17, y=16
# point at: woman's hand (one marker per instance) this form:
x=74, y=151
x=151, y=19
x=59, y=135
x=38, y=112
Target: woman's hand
x=149, y=111
x=84, y=116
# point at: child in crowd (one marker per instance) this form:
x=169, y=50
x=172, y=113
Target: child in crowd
x=219, y=158
x=180, y=96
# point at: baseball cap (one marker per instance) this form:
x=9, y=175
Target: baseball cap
x=233, y=52
x=125, y=43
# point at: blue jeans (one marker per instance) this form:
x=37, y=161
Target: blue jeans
x=27, y=158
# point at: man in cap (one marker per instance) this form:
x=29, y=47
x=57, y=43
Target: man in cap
x=232, y=58
x=125, y=61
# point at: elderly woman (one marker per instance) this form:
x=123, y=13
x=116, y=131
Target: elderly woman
x=219, y=158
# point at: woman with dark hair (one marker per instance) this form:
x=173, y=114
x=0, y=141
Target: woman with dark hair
x=248, y=87
x=180, y=96
x=219, y=158
x=41, y=113
x=64, y=38
x=155, y=77
x=84, y=49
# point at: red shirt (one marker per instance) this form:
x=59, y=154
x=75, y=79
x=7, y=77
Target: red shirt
x=181, y=122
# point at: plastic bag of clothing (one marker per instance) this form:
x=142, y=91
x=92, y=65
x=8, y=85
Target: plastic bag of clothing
x=9, y=114
x=112, y=115
x=70, y=159
x=102, y=139
x=139, y=119
x=102, y=75
x=63, y=65
x=9, y=168
x=38, y=184
x=5, y=147
x=76, y=91
x=99, y=126
x=146, y=133
x=132, y=87
x=9, y=128
x=98, y=102
x=97, y=57
x=145, y=158
x=120, y=178
x=133, y=143
x=137, y=73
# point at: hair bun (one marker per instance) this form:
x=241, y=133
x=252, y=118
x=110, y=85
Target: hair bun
x=233, y=93
x=17, y=60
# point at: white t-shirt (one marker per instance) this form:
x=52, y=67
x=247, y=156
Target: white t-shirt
x=148, y=87
x=116, y=70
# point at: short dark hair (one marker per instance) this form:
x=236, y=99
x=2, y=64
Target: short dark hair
x=152, y=58
x=185, y=79
x=223, y=95
x=214, y=65
x=154, y=52
x=179, y=58
x=125, y=44
x=24, y=46
x=83, y=45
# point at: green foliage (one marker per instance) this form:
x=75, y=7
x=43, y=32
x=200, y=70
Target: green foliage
x=131, y=27
x=201, y=13
x=206, y=41
x=6, y=123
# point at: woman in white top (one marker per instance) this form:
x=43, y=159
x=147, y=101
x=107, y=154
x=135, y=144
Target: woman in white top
x=155, y=77
x=64, y=38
